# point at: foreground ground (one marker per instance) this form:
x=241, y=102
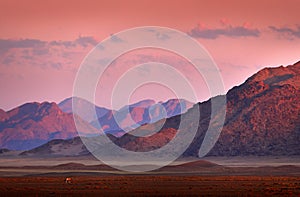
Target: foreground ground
x=210, y=177
x=142, y=185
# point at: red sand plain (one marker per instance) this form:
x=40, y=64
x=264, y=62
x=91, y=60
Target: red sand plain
x=149, y=185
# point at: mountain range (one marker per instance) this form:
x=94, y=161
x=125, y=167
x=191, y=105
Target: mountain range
x=133, y=116
x=262, y=118
x=129, y=117
x=33, y=124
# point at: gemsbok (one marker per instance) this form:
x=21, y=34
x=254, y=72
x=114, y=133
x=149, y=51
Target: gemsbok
x=68, y=180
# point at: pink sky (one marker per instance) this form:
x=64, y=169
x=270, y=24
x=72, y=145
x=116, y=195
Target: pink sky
x=43, y=43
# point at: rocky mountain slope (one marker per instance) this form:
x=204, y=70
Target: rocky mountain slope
x=263, y=115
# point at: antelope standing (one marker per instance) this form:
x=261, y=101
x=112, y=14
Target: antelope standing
x=68, y=180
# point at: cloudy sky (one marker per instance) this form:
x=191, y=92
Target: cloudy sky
x=42, y=43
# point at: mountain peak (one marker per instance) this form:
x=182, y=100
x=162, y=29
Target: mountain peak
x=33, y=109
x=85, y=107
x=274, y=76
x=47, y=108
x=143, y=104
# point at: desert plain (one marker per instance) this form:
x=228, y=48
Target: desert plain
x=211, y=176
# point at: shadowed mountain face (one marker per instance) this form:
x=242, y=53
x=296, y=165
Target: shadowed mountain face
x=33, y=124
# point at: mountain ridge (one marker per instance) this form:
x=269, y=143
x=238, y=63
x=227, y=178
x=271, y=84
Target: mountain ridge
x=262, y=118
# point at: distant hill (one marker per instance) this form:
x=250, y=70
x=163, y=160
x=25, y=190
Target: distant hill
x=59, y=147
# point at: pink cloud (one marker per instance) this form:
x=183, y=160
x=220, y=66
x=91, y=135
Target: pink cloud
x=227, y=30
